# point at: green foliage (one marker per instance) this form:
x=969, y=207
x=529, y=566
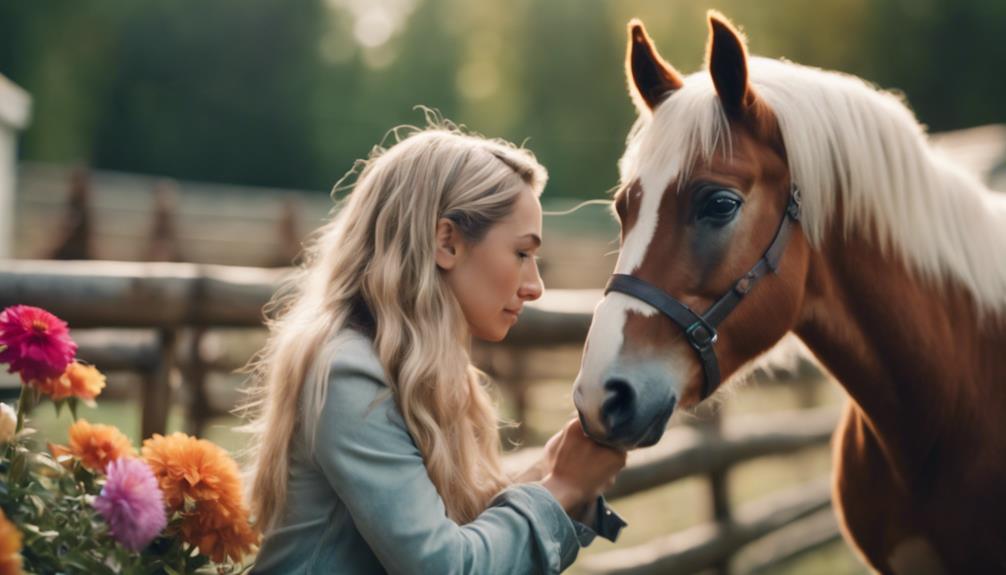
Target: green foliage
x=52, y=507
x=282, y=92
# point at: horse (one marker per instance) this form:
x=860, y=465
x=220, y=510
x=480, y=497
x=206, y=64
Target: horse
x=759, y=198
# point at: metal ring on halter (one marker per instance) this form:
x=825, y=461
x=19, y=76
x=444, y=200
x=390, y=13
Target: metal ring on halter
x=701, y=335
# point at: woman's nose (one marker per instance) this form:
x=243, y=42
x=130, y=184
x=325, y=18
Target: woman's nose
x=531, y=287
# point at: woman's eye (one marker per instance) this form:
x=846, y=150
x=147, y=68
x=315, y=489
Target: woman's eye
x=720, y=208
x=528, y=256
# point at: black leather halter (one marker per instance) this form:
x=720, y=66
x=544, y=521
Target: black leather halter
x=701, y=329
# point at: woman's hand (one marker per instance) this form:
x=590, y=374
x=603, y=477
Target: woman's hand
x=580, y=469
x=542, y=466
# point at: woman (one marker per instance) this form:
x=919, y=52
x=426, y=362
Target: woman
x=376, y=445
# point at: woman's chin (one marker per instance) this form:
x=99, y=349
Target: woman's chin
x=494, y=338
x=493, y=335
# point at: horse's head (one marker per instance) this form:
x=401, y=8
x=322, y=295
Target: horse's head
x=707, y=210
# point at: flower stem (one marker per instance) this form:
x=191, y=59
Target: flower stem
x=22, y=407
x=17, y=459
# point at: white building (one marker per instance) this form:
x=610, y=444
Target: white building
x=15, y=112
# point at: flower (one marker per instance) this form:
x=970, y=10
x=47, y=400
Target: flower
x=200, y=480
x=10, y=547
x=132, y=503
x=8, y=422
x=219, y=533
x=79, y=380
x=95, y=445
x=192, y=468
x=37, y=344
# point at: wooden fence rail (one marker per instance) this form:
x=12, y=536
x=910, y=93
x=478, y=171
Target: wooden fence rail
x=687, y=451
x=708, y=544
x=693, y=450
x=792, y=541
x=172, y=295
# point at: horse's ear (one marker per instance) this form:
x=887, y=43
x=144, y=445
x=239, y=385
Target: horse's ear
x=650, y=78
x=727, y=58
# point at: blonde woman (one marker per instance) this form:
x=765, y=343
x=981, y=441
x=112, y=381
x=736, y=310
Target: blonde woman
x=376, y=445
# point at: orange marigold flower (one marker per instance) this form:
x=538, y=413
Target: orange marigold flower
x=219, y=532
x=95, y=445
x=79, y=380
x=10, y=547
x=202, y=481
x=194, y=468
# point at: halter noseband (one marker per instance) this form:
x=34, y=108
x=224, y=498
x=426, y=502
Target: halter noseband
x=700, y=330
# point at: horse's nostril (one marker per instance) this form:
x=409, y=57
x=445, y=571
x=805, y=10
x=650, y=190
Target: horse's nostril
x=619, y=404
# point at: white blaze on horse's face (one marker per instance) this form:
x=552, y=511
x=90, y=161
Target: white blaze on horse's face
x=602, y=365
x=605, y=335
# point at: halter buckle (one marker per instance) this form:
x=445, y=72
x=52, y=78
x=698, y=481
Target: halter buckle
x=744, y=285
x=701, y=335
x=794, y=205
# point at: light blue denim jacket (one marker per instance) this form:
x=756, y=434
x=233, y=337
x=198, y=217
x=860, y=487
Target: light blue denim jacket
x=362, y=501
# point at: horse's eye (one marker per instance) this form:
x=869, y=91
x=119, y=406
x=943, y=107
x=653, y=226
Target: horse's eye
x=720, y=208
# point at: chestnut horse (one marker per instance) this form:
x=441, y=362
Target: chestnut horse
x=758, y=198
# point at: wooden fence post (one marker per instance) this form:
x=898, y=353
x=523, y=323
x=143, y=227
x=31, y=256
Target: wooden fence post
x=718, y=488
x=75, y=234
x=288, y=236
x=199, y=409
x=162, y=245
x=157, y=387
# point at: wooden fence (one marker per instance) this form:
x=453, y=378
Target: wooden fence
x=166, y=298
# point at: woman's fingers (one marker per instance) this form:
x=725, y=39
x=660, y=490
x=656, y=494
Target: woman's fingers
x=579, y=468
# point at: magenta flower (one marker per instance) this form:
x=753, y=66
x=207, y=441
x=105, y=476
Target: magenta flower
x=36, y=343
x=131, y=503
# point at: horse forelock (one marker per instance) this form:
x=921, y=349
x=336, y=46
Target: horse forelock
x=660, y=151
x=847, y=144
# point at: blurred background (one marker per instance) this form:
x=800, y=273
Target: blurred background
x=212, y=132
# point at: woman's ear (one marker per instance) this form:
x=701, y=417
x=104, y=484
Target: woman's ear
x=449, y=244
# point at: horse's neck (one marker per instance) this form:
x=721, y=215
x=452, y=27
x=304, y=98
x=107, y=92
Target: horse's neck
x=922, y=366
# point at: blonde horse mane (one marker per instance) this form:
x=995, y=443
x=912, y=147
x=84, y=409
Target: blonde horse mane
x=846, y=142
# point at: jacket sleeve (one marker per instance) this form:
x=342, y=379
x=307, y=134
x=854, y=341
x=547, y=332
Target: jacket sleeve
x=368, y=456
x=599, y=521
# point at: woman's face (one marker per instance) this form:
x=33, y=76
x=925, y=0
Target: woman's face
x=492, y=279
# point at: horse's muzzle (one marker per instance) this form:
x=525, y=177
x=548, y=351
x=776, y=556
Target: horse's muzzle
x=634, y=412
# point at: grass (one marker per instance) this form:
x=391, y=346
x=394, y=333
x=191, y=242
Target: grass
x=125, y=415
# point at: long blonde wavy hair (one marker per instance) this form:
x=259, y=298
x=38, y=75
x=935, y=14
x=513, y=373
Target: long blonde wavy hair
x=375, y=259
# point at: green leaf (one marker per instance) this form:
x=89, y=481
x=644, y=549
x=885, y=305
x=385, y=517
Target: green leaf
x=48, y=535
x=18, y=466
x=38, y=503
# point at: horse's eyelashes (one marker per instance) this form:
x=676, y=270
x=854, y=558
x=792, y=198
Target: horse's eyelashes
x=719, y=207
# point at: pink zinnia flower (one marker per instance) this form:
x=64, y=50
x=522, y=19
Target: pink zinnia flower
x=37, y=343
x=132, y=503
